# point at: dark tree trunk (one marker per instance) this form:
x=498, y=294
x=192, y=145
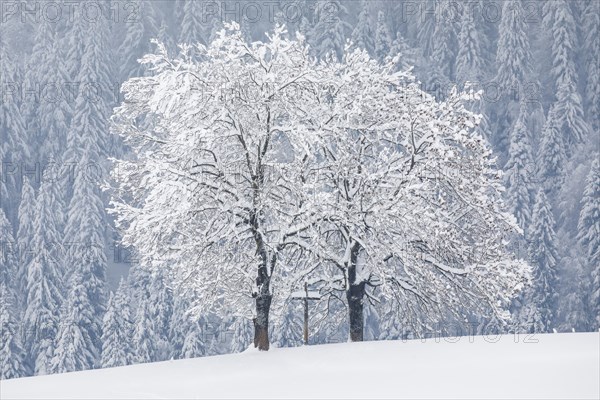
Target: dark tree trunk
x=355, y=309
x=355, y=295
x=261, y=322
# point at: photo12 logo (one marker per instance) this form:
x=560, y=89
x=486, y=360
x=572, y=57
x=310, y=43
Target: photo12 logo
x=69, y=11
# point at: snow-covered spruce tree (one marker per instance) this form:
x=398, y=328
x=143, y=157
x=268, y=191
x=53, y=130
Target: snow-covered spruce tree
x=75, y=349
x=117, y=330
x=12, y=132
x=514, y=70
x=186, y=335
x=144, y=338
x=137, y=38
x=363, y=35
x=469, y=62
x=45, y=284
x=241, y=335
x=11, y=351
x=409, y=201
x=329, y=32
x=570, y=110
x=25, y=235
x=520, y=171
x=552, y=158
x=192, y=24
x=234, y=164
x=444, y=40
x=544, y=259
x=589, y=238
x=161, y=303
x=591, y=44
x=383, y=38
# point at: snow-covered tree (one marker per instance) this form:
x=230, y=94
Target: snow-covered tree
x=444, y=44
x=45, y=285
x=591, y=44
x=589, y=238
x=12, y=362
x=330, y=30
x=12, y=355
x=137, y=38
x=382, y=163
x=192, y=24
x=116, y=330
x=144, y=335
x=161, y=301
x=75, y=349
x=544, y=259
x=186, y=337
x=363, y=35
x=241, y=338
x=520, y=171
x=383, y=38
x=25, y=235
x=239, y=203
x=469, y=62
x=552, y=156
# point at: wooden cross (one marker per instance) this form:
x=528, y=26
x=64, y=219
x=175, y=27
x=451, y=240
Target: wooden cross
x=305, y=296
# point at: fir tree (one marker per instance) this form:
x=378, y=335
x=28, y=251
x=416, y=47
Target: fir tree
x=329, y=32
x=12, y=363
x=192, y=24
x=116, y=331
x=25, y=235
x=519, y=171
x=44, y=284
x=544, y=257
x=144, y=335
x=383, y=38
x=469, y=62
x=75, y=349
x=591, y=46
x=444, y=43
x=552, y=153
x=137, y=40
x=241, y=335
x=589, y=237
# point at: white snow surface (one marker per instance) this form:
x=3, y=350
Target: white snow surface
x=539, y=366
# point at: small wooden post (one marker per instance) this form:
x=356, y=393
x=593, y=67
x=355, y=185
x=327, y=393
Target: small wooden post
x=306, y=314
x=305, y=297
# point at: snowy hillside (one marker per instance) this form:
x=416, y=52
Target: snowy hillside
x=541, y=366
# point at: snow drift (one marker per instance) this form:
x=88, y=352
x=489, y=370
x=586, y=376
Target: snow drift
x=536, y=366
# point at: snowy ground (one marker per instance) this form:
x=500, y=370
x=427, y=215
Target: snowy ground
x=542, y=366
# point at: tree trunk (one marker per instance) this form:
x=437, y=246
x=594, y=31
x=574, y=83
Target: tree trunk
x=261, y=322
x=355, y=295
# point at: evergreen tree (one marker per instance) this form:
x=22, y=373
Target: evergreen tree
x=116, y=330
x=591, y=45
x=589, y=237
x=329, y=32
x=242, y=335
x=572, y=120
x=192, y=24
x=75, y=349
x=137, y=39
x=161, y=303
x=11, y=352
x=12, y=363
x=186, y=331
x=469, y=62
x=383, y=38
x=552, y=153
x=12, y=132
x=25, y=235
x=519, y=171
x=144, y=335
x=44, y=285
x=544, y=257
x=513, y=59
x=444, y=42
